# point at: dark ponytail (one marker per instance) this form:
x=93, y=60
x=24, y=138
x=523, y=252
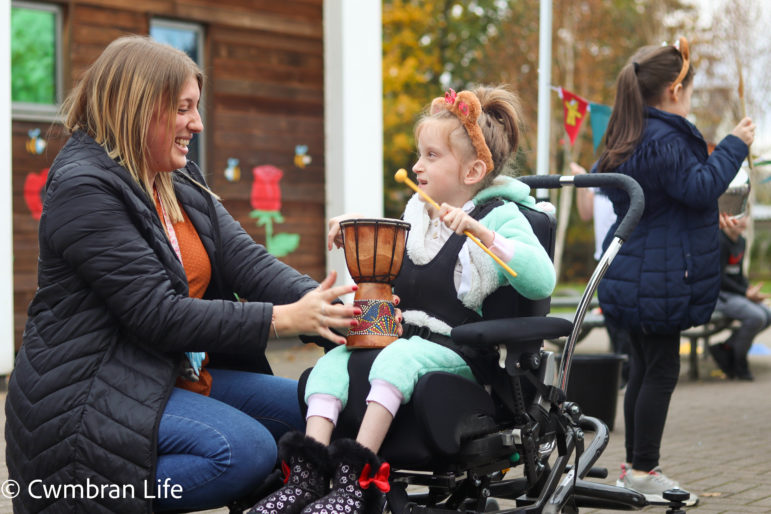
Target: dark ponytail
x=642, y=82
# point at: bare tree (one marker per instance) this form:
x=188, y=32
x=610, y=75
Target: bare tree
x=734, y=51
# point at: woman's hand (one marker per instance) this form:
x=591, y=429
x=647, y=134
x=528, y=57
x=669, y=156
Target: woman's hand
x=314, y=313
x=745, y=131
x=398, y=316
x=335, y=236
x=577, y=169
x=754, y=295
x=459, y=221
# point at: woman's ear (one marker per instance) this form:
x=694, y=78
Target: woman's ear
x=475, y=172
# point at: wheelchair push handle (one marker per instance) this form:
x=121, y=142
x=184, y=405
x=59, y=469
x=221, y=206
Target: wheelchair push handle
x=607, y=180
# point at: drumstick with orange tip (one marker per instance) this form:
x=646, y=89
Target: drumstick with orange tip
x=401, y=176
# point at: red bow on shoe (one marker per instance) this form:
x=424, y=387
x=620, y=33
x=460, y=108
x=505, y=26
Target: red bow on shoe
x=285, y=469
x=380, y=479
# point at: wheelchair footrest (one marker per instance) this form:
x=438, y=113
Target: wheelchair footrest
x=496, y=446
x=604, y=496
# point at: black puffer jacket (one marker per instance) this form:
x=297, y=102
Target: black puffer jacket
x=108, y=326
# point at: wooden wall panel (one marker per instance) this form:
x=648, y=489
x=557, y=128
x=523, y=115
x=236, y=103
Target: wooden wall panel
x=264, y=96
x=25, y=245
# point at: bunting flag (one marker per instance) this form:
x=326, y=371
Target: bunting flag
x=600, y=114
x=575, y=109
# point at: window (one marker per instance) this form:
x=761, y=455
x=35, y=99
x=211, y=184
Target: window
x=35, y=60
x=187, y=37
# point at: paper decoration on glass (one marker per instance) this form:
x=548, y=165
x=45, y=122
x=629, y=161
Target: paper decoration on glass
x=35, y=143
x=34, y=189
x=233, y=171
x=301, y=157
x=266, y=201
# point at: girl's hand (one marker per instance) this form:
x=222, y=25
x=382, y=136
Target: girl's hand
x=335, y=236
x=315, y=314
x=745, y=131
x=459, y=221
x=726, y=221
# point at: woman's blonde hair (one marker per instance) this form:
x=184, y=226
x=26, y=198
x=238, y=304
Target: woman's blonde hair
x=133, y=79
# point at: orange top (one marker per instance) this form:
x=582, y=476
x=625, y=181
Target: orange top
x=197, y=266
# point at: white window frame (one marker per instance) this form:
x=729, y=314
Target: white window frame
x=25, y=111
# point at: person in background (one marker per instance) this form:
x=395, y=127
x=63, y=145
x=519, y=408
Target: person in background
x=140, y=373
x=739, y=300
x=666, y=277
x=593, y=204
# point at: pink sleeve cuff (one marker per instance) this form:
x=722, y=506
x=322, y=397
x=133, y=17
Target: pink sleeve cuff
x=324, y=405
x=386, y=394
x=502, y=248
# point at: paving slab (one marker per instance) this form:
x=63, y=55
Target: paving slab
x=717, y=441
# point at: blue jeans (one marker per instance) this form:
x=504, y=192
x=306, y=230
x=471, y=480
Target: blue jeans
x=220, y=448
x=754, y=318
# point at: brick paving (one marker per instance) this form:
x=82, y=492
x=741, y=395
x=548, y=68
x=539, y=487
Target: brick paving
x=717, y=442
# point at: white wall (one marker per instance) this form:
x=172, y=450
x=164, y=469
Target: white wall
x=353, y=116
x=6, y=198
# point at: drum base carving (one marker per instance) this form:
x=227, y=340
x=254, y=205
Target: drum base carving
x=377, y=322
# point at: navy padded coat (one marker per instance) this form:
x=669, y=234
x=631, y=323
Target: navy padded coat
x=666, y=277
x=109, y=323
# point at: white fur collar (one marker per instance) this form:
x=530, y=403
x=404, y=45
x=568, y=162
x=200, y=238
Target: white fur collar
x=417, y=215
x=484, y=278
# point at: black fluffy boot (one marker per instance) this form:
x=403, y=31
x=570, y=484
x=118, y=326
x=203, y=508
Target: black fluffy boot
x=306, y=467
x=359, y=481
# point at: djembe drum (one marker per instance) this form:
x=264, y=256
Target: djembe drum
x=374, y=251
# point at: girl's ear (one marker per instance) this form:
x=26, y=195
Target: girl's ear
x=475, y=173
x=675, y=92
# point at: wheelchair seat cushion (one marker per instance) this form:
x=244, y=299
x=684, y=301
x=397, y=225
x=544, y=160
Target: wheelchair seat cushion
x=427, y=431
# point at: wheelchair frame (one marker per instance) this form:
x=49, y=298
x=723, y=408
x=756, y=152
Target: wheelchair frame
x=537, y=429
x=523, y=422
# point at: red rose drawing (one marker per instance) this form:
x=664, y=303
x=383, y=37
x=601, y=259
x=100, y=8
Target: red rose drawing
x=33, y=192
x=266, y=193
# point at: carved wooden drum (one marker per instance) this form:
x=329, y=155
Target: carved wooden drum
x=374, y=251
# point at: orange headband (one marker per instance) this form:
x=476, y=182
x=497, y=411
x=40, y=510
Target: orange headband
x=465, y=105
x=682, y=47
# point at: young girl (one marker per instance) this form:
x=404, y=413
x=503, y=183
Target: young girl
x=666, y=277
x=464, y=142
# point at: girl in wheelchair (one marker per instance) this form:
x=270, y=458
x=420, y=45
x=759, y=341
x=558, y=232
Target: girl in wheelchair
x=464, y=142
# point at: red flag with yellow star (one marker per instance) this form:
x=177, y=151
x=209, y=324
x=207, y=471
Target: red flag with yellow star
x=575, y=109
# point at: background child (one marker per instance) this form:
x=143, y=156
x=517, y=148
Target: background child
x=593, y=204
x=666, y=277
x=738, y=300
x=463, y=143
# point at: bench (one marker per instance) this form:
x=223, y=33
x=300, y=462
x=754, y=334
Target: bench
x=717, y=323
x=695, y=335
x=591, y=321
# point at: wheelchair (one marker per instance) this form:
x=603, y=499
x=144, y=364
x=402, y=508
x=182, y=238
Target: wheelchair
x=455, y=445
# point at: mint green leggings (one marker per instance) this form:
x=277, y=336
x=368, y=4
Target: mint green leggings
x=401, y=364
